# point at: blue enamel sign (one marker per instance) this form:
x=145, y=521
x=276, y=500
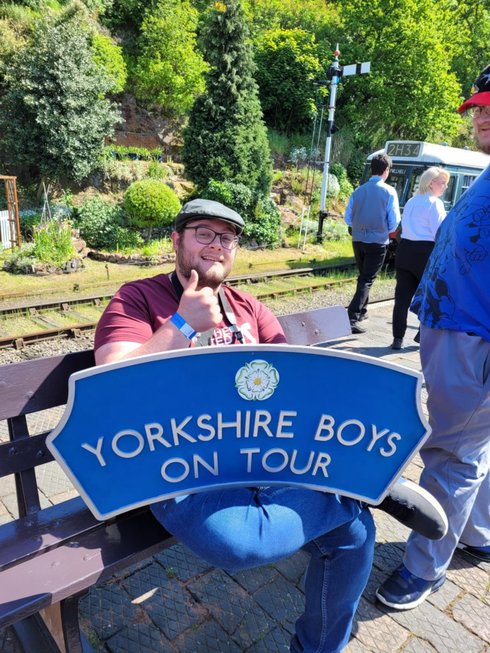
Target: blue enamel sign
x=192, y=420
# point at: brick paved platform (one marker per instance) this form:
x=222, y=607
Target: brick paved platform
x=176, y=603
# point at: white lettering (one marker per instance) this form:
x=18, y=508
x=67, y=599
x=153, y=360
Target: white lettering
x=125, y=434
x=175, y=461
x=202, y=424
x=322, y=463
x=282, y=422
x=325, y=424
x=197, y=460
x=304, y=469
x=262, y=421
x=391, y=451
x=177, y=431
x=249, y=453
x=97, y=451
x=269, y=468
x=154, y=432
x=229, y=425
x=376, y=436
x=346, y=424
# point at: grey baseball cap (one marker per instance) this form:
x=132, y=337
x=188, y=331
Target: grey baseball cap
x=200, y=208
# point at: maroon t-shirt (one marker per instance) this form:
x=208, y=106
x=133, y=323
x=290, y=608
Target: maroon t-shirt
x=139, y=308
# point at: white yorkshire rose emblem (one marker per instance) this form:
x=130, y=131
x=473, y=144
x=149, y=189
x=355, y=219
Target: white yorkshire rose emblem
x=257, y=380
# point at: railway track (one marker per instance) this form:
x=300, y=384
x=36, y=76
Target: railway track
x=25, y=324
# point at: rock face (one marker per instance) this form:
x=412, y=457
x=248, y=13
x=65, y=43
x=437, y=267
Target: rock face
x=142, y=128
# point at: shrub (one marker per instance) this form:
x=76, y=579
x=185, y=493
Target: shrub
x=53, y=243
x=28, y=220
x=21, y=261
x=108, y=56
x=345, y=187
x=150, y=203
x=157, y=170
x=235, y=195
x=125, y=238
x=265, y=227
x=334, y=230
x=98, y=223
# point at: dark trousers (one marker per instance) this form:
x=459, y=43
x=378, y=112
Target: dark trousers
x=369, y=259
x=410, y=262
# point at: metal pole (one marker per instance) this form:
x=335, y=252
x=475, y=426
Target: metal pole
x=335, y=73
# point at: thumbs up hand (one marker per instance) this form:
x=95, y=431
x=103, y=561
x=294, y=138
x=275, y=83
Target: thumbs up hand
x=199, y=307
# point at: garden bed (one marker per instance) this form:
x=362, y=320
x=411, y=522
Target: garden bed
x=131, y=259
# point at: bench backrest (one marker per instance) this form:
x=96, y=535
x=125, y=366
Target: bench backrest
x=26, y=388
x=317, y=326
x=41, y=384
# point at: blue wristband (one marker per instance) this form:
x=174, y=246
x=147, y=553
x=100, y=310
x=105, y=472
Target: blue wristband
x=185, y=328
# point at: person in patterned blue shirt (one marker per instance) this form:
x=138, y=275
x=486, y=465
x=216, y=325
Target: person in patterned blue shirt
x=453, y=306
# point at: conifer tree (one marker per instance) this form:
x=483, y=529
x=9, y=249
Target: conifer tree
x=226, y=139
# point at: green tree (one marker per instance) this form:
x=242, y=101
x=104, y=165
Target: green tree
x=168, y=72
x=287, y=67
x=109, y=57
x=54, y=116
x=226, y=139
x=316, y=17
x=411, y=92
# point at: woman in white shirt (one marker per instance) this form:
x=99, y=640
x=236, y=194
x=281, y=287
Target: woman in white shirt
x=422, y=215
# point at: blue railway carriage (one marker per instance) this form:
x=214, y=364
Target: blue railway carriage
x=411, y=158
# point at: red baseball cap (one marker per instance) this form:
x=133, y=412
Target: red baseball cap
x=480, y=92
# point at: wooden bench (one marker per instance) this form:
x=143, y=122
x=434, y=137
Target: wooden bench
x=51, y=556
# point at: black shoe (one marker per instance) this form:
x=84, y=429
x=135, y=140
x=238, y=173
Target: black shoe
x=404, y=591
x=417, y=336
x=478, y=552
x=357, y=328
x=397, y=343
x=414, y=507
x=363, y=316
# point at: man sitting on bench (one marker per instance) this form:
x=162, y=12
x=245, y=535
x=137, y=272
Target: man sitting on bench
x=245, y=527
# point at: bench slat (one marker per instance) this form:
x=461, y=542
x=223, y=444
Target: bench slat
x=24, y=454
x=67, y=570
x=31, y=536
x=39, y=384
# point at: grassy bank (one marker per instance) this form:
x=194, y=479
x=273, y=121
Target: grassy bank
x=98, y=274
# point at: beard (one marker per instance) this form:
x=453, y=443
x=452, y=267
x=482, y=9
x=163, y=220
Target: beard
x=210, y=278
x=483, y=146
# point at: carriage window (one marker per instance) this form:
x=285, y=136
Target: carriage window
x=448, y=195
x=467, y=181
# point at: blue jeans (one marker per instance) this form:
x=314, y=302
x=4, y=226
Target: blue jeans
x=240, y=528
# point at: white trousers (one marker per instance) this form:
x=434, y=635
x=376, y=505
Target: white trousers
x=456, y=456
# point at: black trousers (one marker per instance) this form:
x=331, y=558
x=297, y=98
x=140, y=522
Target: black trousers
x=411, y=259
x=369, y=260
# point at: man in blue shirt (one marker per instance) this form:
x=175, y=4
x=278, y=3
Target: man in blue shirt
x=453, y=305
x=372, y=214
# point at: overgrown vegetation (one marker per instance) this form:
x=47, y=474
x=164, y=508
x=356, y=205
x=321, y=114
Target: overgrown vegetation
x=231, y=71
x=51, y=248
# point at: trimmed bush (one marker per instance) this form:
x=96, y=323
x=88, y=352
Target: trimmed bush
x=100, y=223
x=150, y=203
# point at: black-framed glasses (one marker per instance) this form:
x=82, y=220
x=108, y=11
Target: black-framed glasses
x=478, y=111
x=206, y=236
